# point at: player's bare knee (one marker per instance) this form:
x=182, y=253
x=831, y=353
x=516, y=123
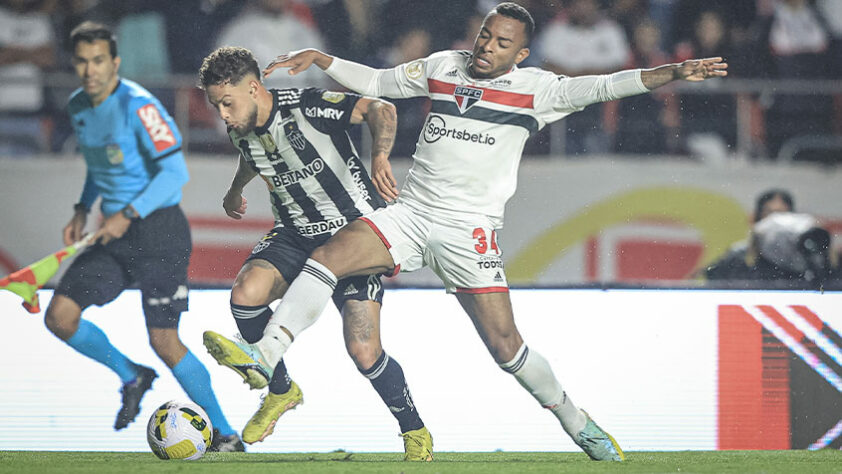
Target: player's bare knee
x=61, y=321
x=504, y=347
x=249, y=292
x=364, y=354
x=167, y=345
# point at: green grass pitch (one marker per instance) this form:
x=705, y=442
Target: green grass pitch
x=23, y=462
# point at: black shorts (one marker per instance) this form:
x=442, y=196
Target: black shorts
x=153, y=254
x=287, y=250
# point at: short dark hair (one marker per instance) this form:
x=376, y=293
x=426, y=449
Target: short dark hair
x=89, y=31
x=768, y=196
x=517, y=12
x=227, y=64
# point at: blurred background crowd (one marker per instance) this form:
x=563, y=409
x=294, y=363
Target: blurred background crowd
x=782, y=100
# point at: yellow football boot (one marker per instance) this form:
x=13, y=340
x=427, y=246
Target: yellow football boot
x=241, y=357
x=418, y=445
x=271, y=408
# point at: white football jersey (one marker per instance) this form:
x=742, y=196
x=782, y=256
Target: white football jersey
x=467, y=156
x=316, y=180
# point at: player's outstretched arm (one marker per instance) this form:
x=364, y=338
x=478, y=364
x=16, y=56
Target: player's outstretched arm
x=690, y=70
x=299, y=61
x=382, y=119
x=354, y=76
x=234, y=203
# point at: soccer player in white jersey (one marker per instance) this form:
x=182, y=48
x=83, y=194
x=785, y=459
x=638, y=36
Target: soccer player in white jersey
x=296, y=140
x=483, y=109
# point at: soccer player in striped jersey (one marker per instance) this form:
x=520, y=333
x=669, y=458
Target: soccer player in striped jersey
x=483, y=109
x=296, y=140
x=132, y=150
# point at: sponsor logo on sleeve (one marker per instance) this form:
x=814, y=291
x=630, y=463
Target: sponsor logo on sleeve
x=319, y=112
x=157, y=128
x=333, y=97
x=415, y=69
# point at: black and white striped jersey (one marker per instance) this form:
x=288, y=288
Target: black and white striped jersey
x=316, y=180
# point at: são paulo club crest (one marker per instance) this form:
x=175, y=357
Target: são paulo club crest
x=466, y=97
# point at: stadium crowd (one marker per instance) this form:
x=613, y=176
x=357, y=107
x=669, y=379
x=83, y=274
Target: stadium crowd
x=161, y=40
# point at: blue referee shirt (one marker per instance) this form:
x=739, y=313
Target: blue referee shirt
x=132, y=149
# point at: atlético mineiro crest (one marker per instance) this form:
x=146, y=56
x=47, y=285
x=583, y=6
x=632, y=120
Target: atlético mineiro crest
x=466, y=97
x=294, y=135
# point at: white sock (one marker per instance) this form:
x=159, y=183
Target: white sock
x=533, y=372
x=300, y=307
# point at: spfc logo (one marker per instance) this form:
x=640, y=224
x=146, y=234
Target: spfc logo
x=466, y=97
x=295, y=137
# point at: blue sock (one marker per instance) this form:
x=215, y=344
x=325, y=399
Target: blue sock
x=92, y=342
x=195, y=380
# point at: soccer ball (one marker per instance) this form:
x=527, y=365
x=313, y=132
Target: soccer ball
x=179, y=430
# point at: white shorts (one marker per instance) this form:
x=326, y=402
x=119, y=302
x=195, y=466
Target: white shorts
x=464, y=254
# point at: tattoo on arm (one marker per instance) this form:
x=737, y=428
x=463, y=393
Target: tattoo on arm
x=382, y=120
x=659, y=76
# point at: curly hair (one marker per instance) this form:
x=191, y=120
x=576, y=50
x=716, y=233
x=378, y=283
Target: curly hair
x=229, y=65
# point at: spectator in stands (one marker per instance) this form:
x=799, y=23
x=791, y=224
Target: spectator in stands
x=640, y=128
x=351, y=28
x=708, y=121
x=796, y=42
x=740, y=15
x=629, y=13
x=412, y=44
x=584, y=41
x=205, y=19
x=831, y=11
x=26, y=50
x=268, y=26
x=472, y=28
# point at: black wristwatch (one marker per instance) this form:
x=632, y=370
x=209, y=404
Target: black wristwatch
x=129, y=212
x=79, y=207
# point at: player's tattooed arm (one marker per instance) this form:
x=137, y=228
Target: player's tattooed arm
x=382, y=119
x=690, y=70
x=234, y=203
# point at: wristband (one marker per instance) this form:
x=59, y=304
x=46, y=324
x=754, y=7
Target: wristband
x=129, y=212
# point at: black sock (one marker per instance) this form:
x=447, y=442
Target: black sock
x=387, y=378
x=280, y=383
x=251, y=320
